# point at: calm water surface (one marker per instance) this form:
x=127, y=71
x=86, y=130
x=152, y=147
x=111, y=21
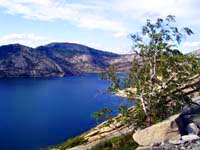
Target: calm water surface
x=36, y=113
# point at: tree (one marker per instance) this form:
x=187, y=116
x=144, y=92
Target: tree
x=160, y=73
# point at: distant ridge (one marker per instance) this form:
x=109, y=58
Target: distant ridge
x=57, y=59
x=74, y=46
x=196, y=52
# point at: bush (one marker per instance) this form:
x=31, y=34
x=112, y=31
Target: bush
x=68, y=144
x=73, y=142
x=123, y=142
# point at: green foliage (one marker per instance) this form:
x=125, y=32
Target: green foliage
x=73, y=142
x=112, y=76
x=69, y=143
x=159, y=73
x=103, y=114
x=123, y=109
x=123, y=142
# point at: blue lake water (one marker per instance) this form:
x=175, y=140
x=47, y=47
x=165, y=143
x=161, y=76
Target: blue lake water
x=36, y=113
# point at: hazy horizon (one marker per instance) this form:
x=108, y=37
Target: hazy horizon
x=126, y=52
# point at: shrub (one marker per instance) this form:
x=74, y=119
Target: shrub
x=73, y=142
x=123, y=142
x=68, y=144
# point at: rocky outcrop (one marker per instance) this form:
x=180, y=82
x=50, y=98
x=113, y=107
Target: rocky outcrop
x=108, y=128
x=57, y=59
x=89, y=145
x=192, y=129
x=192, y=114
x=104, y=129
x=193, y=144
x=175, y=133
x=161, y=132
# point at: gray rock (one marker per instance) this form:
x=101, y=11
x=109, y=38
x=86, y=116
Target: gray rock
x=195, y=145
x=175, y=142
x=92, y=133
x=191, y=114
x=167, y=130
x=192, y=129
x=190, y=137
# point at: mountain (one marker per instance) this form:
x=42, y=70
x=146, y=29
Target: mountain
x=57, y=59
x=21, y=61
x=196, y=52
x=77, y=58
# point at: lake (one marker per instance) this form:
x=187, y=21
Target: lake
x=36, y=113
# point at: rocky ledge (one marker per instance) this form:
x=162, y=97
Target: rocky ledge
x=179, y=132
x=188, y=145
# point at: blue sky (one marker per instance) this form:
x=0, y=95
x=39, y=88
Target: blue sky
x=102, y=24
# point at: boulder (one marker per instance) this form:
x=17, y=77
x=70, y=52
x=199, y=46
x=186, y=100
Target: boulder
x=92, y=133
x=191, y=114
x=174, y=142
x=106, y=134
x=192, y=129
x=153, y=148
x=94, y=138
x=116, y=125
x=190, y=137
x=170, y=129
x=105, y=129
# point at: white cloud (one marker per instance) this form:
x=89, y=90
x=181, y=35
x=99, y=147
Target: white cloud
x=82, y=15
x=118, y=16
x=120, y=35
x=191, y=45
x=139, y=10
x=25, y=39
x=105, y=14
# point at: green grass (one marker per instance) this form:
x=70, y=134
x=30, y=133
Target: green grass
x=123, y=142
x=73, y=142
x=68, y=144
